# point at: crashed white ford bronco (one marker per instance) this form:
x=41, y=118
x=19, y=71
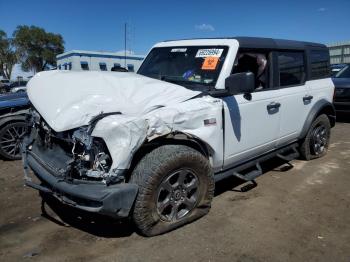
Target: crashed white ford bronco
x=151, y=145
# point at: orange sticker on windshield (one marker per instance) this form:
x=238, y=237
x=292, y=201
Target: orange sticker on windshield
x=210, y=63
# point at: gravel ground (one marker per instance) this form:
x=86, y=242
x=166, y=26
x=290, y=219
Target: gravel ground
x=297, y=214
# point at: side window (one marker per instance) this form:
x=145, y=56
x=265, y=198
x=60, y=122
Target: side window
x=320, y=67
x=84, y=65
x=291, y=67
x=256, y=63
x=103, y=67
x=117, y=65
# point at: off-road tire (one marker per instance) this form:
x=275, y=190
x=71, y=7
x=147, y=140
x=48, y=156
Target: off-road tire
x=306, y=148
x=149, y=175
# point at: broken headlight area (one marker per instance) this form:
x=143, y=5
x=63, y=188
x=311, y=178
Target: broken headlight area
x=90, y=156
x=71, y=155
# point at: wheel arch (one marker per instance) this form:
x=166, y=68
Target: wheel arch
x=176, y=138
x=11, y=119
x=321, y=107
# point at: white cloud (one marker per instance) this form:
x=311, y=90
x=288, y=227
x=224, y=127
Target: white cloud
x=321, y=9
x=205, y=27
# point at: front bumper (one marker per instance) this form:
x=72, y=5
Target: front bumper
x=114, y=200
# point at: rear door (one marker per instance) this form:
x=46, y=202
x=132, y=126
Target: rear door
x=295, y=98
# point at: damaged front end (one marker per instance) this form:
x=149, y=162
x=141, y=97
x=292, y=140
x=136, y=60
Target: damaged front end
x=75, y=167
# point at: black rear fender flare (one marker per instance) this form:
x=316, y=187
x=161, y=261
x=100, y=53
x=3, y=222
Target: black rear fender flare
x=321, y=107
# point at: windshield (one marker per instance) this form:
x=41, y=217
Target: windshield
x=344, y=73
x=192, y=66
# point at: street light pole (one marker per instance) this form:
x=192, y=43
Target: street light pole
x=125, y=45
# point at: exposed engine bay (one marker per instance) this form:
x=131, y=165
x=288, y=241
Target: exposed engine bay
x=75, y=152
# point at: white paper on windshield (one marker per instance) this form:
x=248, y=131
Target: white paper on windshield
x=213, y=52
x=178, y=50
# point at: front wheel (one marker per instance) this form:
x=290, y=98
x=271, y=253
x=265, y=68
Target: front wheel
x=176, y=186
x=316, y=142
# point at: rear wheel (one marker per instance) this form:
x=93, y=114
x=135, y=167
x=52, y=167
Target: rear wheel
x=176, y=186
x=11, y=136
x=316, y=142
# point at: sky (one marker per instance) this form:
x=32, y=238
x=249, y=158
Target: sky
x=99, y=24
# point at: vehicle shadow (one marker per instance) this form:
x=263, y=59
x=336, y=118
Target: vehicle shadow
x=95, y=224
x=343, y=117
x=103, y=226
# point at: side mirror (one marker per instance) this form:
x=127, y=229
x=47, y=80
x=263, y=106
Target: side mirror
x=240, y=83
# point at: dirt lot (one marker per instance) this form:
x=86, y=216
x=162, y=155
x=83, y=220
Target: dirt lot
x=300, y=214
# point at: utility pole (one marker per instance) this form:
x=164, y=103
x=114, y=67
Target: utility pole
x=125, y=45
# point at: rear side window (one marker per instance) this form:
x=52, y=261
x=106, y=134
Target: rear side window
x=291, y=68
x=84, y=65
x=130, y=67
x=103, y=67
x=320, y=67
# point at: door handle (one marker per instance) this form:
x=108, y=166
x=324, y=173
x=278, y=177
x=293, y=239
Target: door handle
x=273, y=105
x=307, y=98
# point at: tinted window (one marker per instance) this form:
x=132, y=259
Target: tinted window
x=103, y=66
x=291, y=68
x=117, y=65
x=319, y=64
x=130, y=68
x=344, y=73
x=84, y=65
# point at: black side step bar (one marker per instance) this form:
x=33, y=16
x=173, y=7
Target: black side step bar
x=283, y=153
x=250, y=175
x=290, y=156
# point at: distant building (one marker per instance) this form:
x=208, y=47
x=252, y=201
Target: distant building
x=78, y=60
x=339, y=52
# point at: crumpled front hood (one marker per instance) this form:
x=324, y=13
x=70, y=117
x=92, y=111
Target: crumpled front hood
x=67, y=99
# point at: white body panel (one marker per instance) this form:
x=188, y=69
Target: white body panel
x=321, y=89
x=250, y=129
x=293, y=112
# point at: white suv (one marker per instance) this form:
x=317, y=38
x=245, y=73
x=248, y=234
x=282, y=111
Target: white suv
x=152, y=145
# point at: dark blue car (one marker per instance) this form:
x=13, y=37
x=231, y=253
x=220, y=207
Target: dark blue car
x=342, y=90
x=13, y=110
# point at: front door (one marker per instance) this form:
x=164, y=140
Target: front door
x=251, y=127
x=252, y=122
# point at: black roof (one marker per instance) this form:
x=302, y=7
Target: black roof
x=267, y=43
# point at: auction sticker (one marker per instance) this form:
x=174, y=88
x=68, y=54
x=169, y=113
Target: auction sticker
x=213, y=52
x=210, y=63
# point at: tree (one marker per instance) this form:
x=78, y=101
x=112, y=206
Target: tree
x=36, y=48
x=7, y=55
